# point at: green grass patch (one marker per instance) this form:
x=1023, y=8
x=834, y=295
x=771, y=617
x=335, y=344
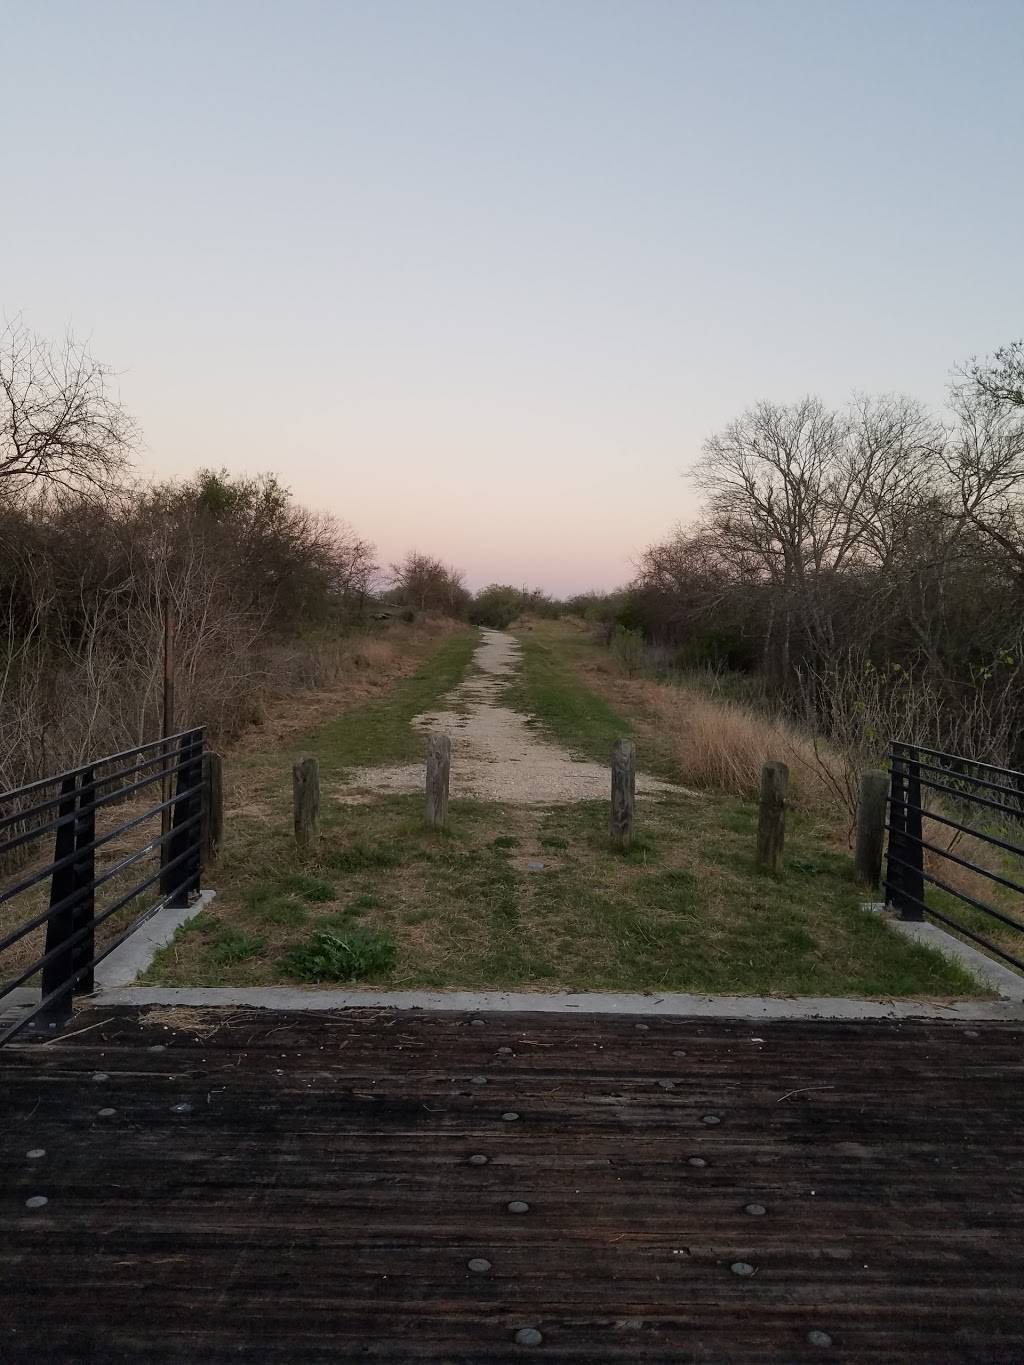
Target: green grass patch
x=340, y=955
x=315, y=890
x=685, y=910
x=380, y=731
x=548, y=690
x=230, y=945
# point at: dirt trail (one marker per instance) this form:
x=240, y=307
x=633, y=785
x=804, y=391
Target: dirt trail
x=496, y=754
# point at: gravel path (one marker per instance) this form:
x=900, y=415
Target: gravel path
x=496, y=754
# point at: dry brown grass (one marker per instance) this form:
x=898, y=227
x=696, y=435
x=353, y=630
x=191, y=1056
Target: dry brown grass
x=353, y=670
x=711, y=743
x=723, y=745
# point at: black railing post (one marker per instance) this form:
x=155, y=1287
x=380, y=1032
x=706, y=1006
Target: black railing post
x=904, y=882
x=895, y=849
x=913, y=876
x=85, y=875
x=181, y=850
x=195, y=830
x=59, y=970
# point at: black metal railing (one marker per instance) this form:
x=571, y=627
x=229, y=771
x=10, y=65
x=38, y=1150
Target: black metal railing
x=66, y=808
x=976, y=799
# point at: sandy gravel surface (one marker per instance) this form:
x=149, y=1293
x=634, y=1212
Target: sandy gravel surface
x=496, y=754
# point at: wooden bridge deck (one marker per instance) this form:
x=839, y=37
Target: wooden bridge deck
x=298, y=1188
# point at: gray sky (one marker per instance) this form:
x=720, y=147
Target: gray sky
x=480, y=277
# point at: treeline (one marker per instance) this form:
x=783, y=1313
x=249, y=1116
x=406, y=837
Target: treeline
x=252, y=583
x=863, y=567
x=260, y=591
x=422, y=583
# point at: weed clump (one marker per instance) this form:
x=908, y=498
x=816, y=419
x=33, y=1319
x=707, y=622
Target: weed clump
x=348, y=955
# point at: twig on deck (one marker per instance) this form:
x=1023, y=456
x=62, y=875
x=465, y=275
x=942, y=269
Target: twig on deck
x=803, y=1089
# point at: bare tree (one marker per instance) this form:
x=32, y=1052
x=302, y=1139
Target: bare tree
x=1001, y=378
x=985, y=463
x=59, y=422
x=428, y=584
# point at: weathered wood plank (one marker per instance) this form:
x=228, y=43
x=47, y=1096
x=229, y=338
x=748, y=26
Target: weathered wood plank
x=318, y=1202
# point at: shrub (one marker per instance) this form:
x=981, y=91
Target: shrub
x=628, y=650
x=343, y=956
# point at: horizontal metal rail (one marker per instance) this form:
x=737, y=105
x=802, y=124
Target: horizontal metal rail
x=81, y=934
x=68, y=815
x=970, y=933
x=976, y=781
x=914, y=770
x=955, y=758
x=41, y=874
x=963, y=862
x=76, y=976
x=18, y=792
x=987, y=838
x=964, y=896
x=76, y=897
x=37, y=831
x=968, y=798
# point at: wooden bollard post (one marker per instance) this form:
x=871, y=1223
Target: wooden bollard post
x=439, y=763
x=623, y=792
x=306, y=796
x=771, y=818
x=212, y=822
x=871, y=803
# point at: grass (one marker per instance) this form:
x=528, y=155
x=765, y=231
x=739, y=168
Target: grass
x=683, y=910
x=520, y=897
x=715, y=743
x=379, y=731
x=347, y=954
x=548, y=690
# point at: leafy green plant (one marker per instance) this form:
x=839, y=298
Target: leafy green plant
x=347, y=955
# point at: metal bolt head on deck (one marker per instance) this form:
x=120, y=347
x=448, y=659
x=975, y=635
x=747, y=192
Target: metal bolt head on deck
x=478, y=1023
x=478, y=1159
x=510, y=1117
x=755, y=1210
x=35, y=1153
x=742, y=1268
x=696, y=1161
x=479, y=1265
x=478, y=1080
x=528, y=1336
x=36, y=1201
x=817, y=1338
x=100, y=1076
x=711, y=1119
x=181, y=1108
x=106, y=1113
x=518, y=1206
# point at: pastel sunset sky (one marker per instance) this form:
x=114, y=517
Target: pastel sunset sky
x=481, y=277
